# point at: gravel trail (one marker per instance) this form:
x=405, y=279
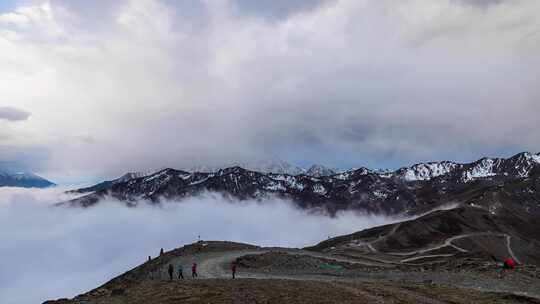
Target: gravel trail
x=216, y=265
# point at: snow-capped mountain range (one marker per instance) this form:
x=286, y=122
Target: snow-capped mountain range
x=408, y=189
x=519, y=165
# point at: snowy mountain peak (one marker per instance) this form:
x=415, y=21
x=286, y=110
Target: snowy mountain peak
x=320, y=170
x=528, y=157
x=345, y=175
x=534, y=157
x=524, y=163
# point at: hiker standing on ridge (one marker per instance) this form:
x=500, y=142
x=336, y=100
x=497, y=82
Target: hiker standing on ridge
x=233, y=269
x=194, y=270
x=180, y=272
x=171, y=271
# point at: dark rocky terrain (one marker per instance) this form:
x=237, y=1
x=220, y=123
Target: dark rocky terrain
x=289, y=291
x=281, y=275
x=497, y=221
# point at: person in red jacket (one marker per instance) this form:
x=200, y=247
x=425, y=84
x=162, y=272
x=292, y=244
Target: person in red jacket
x=194, y=270
x=508, y=264
x=233, y=270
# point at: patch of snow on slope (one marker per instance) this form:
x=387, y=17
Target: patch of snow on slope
x=319, y=189
x=344, y=176
x=291, y=181
x=200, y=181
x=536, y=157
x=184, y=176
x=483, y=169
x=274, y=186
x=154, y=176
x=347, y=174
x=423, y=172
x=380, y=194
x=528, y=162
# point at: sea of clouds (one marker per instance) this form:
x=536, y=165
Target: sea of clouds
x=51, y=252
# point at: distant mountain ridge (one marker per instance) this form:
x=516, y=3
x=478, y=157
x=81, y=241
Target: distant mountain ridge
x=277, y=167
x=23, y=179
x=406, y=190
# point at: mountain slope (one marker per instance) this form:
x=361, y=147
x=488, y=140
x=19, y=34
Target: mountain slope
x=23, y=179
x=494, y=222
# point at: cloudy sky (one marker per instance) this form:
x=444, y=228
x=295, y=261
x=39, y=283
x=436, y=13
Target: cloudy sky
x=97, y=88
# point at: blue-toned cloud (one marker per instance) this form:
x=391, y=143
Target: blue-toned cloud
x=13, y=114
x=26, y=158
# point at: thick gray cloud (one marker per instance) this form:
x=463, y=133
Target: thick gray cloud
x=345, y=83
x=13, y=114
x=276, y=9
x=480, y=3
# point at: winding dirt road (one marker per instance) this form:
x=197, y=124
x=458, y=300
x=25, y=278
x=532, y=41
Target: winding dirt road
x=447, y=243
x=216, y=265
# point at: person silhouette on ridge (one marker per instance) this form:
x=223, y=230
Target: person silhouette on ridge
x=171, y=272
x=194, y=270
x=233, y=269
x=180, y=272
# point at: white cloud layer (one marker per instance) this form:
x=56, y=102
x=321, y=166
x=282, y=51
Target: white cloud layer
x=141, y=84
x=52, y=252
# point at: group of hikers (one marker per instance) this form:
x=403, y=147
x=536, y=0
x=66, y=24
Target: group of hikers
x=170, y=270
x=194, y=273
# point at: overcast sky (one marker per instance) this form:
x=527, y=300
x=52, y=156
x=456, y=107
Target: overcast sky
x=97, y=88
